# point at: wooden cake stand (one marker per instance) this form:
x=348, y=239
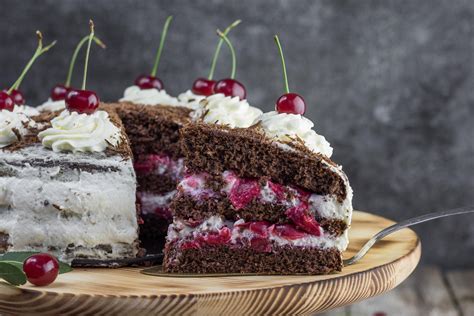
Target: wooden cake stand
x=127, y=291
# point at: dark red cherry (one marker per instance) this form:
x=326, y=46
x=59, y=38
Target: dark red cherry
x=230, y=88
x=145, y=82
x=6, y=101
x=203, y=86
x=82, y=101
x=59, y=92
x=16, y=96
x=41, y=269
x=291, y=103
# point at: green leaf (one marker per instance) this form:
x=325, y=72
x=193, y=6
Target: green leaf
x=12, y=272
x=21, y=256
x=64, y=268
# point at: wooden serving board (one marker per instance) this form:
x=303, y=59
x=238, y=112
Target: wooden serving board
x=127, y=291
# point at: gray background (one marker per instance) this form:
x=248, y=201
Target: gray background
x=389, y=83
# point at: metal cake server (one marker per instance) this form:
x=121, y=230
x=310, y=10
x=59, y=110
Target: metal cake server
x=404, y=224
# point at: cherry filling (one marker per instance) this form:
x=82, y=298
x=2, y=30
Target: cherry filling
x=159, y=164
x=242, y=192
x=257, y=235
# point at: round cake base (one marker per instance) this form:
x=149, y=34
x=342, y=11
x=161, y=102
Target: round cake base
x=127, y=291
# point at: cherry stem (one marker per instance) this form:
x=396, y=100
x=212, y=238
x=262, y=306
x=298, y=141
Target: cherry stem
x=86, y=63
x=285, y=76
x=232, y=52
x=76, y=52
x=218, y=48
x=39, y=51
x=162, y=43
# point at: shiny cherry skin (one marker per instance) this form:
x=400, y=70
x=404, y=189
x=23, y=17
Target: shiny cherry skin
x=145, y=82
x=291, y=103
x=203, y=86
x=17, y=96
x=59, y=92
x=41, y=269
x=231, y=88
x=82, y=101
x=6, y=101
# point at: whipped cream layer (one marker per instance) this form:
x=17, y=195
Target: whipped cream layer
x=71, y=131
x=293, y=128
x=261, y=236
x=52, y=106
x=242, y=192
x=191, y=100
x=76, y=206
x=149, y=97
x=13, y=124
x=157, y=204
x=230, y=111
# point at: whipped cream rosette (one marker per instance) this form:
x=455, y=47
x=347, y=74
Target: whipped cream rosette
x=71, y=131
x=13, y=124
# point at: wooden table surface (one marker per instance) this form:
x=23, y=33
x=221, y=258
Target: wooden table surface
x=428, y=291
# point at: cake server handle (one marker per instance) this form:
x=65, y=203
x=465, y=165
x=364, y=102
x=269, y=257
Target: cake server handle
x=404, y=224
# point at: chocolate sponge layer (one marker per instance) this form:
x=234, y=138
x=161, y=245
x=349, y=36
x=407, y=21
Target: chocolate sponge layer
x=153, y=129
x=215, y=148
x=224, y=259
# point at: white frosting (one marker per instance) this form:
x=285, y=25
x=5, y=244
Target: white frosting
x=149, y=97
x=47, y=204
x=71, y=131
x=229, y=111
x=27, y=110
x=286, y=127
x=190, y=100
x=11, y=122
x=52, y=106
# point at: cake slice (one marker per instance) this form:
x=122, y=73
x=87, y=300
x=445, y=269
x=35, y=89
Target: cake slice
x=67, y=186
x=264, y=199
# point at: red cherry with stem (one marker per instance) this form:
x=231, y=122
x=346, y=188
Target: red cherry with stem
x=6, y=102
x=291, y=103
x=203, y=86
x=59, y=92
x=41, y=269
x=16, y=95
x=230, y=87
x=152, y=82
x=145, y=82
x=83, y=101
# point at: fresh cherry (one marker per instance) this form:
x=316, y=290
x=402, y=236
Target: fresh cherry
x=41, y=269
x=82, y=101
x=291, y=103
x=145, y=82
x=59, y=92
x=6, y=101
x=230, y=88
x=203, y=86
x=17, y=97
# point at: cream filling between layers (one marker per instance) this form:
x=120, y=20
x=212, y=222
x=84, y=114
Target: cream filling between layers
x=179, y=231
